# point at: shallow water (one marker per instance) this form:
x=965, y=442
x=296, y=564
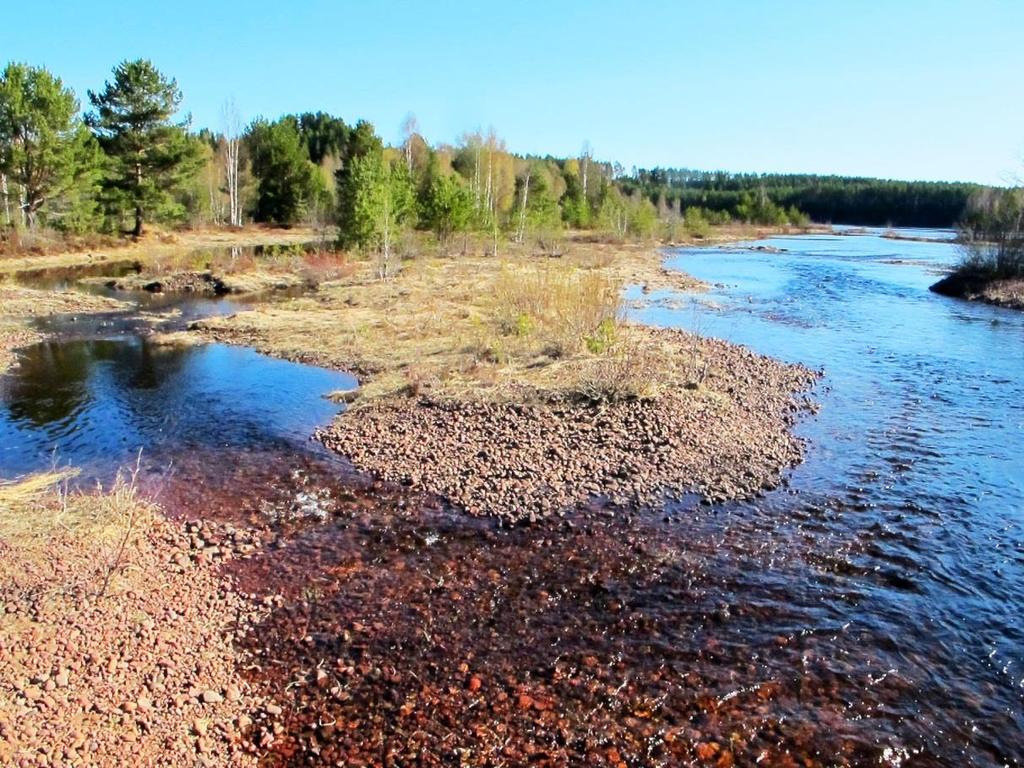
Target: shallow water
x=903, y=533
x=205, y=418
x=871, y=612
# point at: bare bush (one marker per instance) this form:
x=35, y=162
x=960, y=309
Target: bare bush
x=992, y=234
x=626, y=372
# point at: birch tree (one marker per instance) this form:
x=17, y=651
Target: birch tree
x=232, y=145
x=7, y=202
x=383, y=205
x=524, y=199
x=586, y=154
x=409, y=130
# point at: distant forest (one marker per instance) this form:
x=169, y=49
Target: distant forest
x=825, y=199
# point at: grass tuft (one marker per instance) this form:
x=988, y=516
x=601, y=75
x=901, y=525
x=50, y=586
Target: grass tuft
x=40, y=507
x=562, y=311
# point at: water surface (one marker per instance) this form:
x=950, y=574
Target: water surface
x=902, y=536
x=205, y=418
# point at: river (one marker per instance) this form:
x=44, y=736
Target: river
x=907, y=518
x=869, y=611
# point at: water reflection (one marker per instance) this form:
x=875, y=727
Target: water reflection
x=95, y=402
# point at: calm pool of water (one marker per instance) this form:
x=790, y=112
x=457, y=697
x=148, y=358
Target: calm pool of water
x=205, y=418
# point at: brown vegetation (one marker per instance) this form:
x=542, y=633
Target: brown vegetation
x=154, y=245
x=235, y=270
x=469, y=325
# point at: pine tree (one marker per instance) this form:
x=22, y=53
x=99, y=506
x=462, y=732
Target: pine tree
x=288, y=184
x=447, y=206
x=362, y=141
x=46, y=153
x=150, y=156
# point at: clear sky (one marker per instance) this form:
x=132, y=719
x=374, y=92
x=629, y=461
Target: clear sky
x=917, y=89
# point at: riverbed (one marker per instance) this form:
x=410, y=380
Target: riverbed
x=868, y=611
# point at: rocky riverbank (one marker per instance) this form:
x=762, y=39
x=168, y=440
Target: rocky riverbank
x=1002, y=293
x=106, y=654
x=728, y=437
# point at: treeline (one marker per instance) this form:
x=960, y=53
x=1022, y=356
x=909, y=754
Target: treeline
x=130, y=158
x=834, y=199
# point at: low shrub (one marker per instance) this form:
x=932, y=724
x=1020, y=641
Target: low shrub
x=624, y=371
x=563, y=310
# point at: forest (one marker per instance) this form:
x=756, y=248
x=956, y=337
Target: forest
x=825, y=199
x=127, y=157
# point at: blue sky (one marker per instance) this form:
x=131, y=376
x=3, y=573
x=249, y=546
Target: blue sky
x=905, y=89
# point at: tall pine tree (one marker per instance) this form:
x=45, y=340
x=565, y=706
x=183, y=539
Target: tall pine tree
x=150, y=156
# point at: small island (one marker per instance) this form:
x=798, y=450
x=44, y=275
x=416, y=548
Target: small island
x=992, y=241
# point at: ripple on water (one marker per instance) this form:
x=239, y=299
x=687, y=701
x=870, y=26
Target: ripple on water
x=870, y=612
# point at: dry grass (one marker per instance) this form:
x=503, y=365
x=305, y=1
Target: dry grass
x=18, y=302
x=235, y=270
x=42, y=241
x=156, y=244
x=557, y=311
x=56, y=541
x=482, y=327
x=38, y=508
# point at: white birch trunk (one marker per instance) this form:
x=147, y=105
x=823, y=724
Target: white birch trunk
x=232, y=138
x=7, y=202
x=476, y=178
x=490, y=187
x=522, y=210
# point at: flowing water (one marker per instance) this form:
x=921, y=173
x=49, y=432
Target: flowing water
x=869, y=612
x=902, y=536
